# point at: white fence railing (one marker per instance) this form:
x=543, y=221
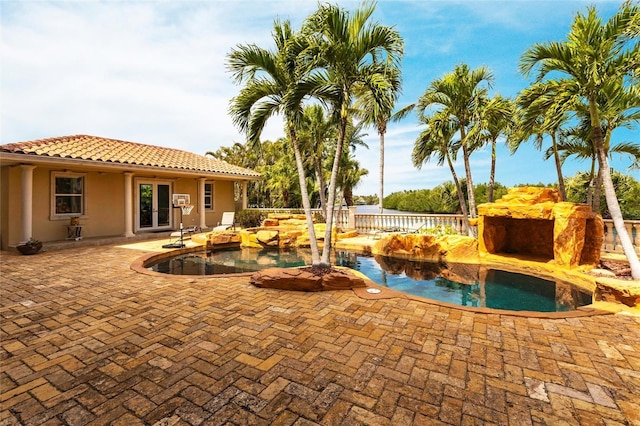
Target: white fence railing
x=340, y=218
x=612, y=241
x=367, y=222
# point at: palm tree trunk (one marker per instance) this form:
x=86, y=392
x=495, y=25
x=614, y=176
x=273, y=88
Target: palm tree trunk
x=591, y=184
x=326, y=250
x=306, y=203
x=610, y=194
x=556, y=156
x=321, y=186
x=597, y=190
x=467, y=168
x=492, y=175
x=381, y=191
x=463, y=203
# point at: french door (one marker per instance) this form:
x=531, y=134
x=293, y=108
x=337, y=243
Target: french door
x=154, y=205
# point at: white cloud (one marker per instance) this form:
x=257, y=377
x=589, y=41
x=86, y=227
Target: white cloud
x=154, y=72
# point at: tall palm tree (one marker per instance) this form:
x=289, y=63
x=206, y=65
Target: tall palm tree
x=378, y=114
x=543, y=109
x=275, y=83
x=459, y=95
x=496, y=119
x=352, y=51
x=594, y=55
x=437, y=141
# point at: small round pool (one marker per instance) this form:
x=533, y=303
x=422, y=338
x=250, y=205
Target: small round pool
x=461, y=284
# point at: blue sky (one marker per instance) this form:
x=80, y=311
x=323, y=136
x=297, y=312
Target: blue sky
x=154, y=72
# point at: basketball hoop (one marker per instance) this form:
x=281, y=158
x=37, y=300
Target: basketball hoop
x=182, y=202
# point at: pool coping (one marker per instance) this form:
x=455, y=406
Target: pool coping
x=595, y=308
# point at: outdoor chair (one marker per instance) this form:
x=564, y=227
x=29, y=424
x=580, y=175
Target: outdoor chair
x=415, y=228
x=376, y=234
x=227, y=221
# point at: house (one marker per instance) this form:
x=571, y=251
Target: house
x=111, y=187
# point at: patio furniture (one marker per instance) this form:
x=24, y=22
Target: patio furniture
x=416, y=227
x=226, y=222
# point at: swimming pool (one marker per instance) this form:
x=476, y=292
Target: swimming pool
x=460, y=284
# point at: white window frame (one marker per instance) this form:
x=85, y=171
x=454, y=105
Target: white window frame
x=212, y=205
x=60, y=216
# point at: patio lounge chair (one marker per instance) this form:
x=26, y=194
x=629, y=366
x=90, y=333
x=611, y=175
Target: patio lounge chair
x=378, y=233
x=416, y=227
x=227, y=221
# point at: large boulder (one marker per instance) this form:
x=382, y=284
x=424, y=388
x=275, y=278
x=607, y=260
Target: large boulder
x=534, y=222
x=267, y=238
x=428, y=248
x=304, y=279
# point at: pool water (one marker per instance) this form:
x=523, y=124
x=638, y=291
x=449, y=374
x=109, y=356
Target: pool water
x=460, y=284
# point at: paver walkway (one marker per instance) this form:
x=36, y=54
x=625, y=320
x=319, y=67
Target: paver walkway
x=87, y=341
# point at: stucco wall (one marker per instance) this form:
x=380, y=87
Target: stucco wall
x=223, y=194
x=104, y=204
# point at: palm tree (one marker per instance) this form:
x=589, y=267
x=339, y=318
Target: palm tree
x=496, y=119
x=377, y=114
x=459, y=95
x=275, y=83
x=594, y=55
x=576, y=141
x=543, y=109
x=315, y=134
x=437, y=140
x=352, y=52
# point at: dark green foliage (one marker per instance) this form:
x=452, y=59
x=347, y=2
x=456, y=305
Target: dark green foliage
x=481, y=192
x=626, y=187
x=250, y=218
x=443, y=199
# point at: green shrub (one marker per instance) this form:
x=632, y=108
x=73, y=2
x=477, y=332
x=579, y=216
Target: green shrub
x=439, y=231
x=250, y=218
x=318, y=217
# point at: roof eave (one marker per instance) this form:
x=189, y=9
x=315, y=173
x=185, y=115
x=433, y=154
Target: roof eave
x=9, y=158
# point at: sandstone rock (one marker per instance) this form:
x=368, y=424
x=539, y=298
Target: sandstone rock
x=459, y=248
x=428, y=248
x=303, y=280
x=287, y=279
x=341, y=280
x=351, y=233
x=598, y=272
x=268, y=238
x=533, y=222
x=224, y=238
x=279, y=216
x=294, y=223
x=530, y=195
x=627, y=292
x=270, y=222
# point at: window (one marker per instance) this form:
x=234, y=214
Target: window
x=208, y=196
x=68, y=194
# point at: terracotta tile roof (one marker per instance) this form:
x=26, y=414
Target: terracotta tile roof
x=106, y=150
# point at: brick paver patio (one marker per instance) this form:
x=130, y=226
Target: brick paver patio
x=87, y=341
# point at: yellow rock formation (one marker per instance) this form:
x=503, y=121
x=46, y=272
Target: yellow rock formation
x=533, y=222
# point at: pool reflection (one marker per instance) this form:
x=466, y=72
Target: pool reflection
x=460, y=284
